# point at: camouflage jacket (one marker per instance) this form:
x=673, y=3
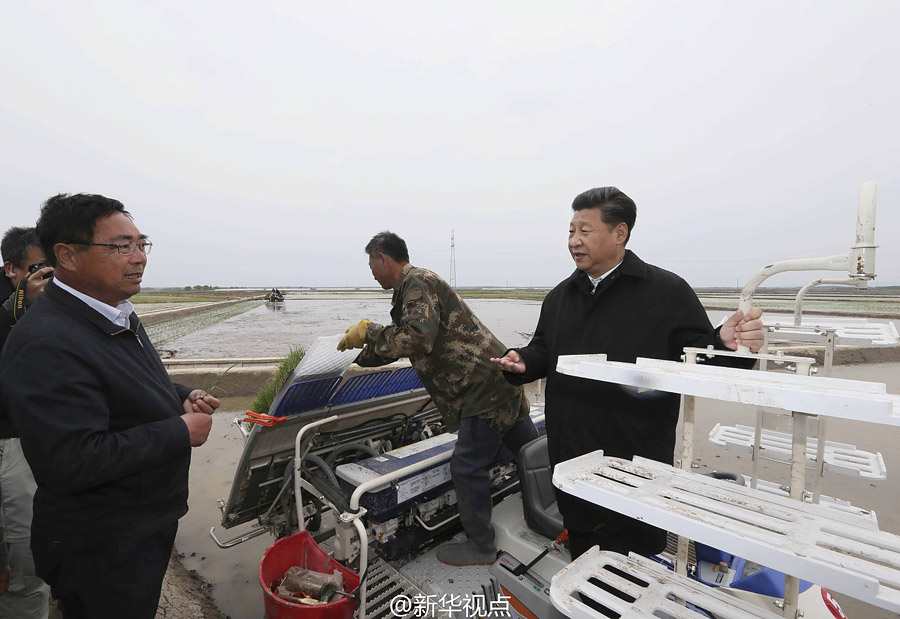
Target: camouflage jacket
x=449, y=349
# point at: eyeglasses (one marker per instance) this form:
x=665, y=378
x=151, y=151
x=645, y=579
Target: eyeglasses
x=124, y=249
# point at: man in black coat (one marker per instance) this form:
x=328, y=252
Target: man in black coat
x=106, y=432
x=614, y=303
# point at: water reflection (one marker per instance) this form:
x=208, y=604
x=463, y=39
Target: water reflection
x=270, y=331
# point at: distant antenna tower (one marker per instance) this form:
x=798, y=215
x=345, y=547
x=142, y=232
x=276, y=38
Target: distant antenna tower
x=452, y=261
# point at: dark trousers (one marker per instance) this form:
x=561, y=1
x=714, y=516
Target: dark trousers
x=476, y=449
x=113, y=582
x=619, y=534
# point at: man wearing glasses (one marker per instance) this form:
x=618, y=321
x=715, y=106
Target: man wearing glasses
x=106, y=432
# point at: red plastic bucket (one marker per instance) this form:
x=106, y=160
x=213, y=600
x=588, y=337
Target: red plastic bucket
x=300, y=549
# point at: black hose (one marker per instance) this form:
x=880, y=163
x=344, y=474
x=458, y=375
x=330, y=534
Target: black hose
x=333, y=456
x=325, y=468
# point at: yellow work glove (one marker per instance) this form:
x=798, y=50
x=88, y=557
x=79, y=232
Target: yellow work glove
x=355, y=336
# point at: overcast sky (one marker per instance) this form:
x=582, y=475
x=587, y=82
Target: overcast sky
x=264, y=143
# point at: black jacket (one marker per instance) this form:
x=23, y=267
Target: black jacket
x=7, y=321
x=99, y=420
x=639, y=310
x=6, y=318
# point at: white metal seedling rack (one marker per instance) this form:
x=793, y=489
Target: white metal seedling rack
x=838, y=550
x=827, y=333
x=840, y=458
x=638, y=588
x=826, y=541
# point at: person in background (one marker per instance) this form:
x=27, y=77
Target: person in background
x=616, y=304
x=25, y=274
x=449, y=349
x=106, y=432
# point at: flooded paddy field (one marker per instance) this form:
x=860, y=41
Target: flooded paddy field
x=881, y=305
x=272, y=331
x=274, y=328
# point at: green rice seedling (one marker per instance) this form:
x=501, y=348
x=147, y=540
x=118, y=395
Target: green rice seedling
x=266, y=394
x=212, y=381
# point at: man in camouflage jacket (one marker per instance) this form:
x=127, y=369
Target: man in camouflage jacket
x=450, y=351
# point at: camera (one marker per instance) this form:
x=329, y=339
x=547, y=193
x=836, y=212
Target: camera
x=37, y=266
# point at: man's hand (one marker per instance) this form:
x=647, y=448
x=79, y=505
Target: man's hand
x=35, y=283
x=199, y=425
x=740, y=330
x=4, y=579
x=512, y=362
x=355, y=336
x=198, y=401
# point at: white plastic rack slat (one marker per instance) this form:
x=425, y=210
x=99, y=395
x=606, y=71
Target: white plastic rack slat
x=593, y=576
x=836, y=550
x=824, y=500
x=848, y=331
x=832, y=397
x=840, y=458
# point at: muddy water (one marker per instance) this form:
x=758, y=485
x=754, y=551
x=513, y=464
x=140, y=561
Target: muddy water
x=268, y=331
x=273, y=329
x=232, y=572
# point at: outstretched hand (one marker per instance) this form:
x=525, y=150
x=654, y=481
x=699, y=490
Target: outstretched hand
x=740, y=330
x=511, y=362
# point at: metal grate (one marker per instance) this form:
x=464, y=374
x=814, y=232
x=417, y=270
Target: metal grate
x=301, y=397
x=383, y=585
x=840, y=458
x=602, y=584
x=404, y=379
x=362, y=387
x=838, y=550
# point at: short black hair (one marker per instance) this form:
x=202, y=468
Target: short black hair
x=614, y=206
x=16, y=242
x=68, y=218
x=389, y=244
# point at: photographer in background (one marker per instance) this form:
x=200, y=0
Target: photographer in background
x=25, y=275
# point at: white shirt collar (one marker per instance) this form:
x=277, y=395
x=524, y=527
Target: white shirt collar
x=597, y=280
x=117, y=315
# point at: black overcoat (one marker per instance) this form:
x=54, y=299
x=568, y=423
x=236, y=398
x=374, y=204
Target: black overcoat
x=99, y=420
x=639, y=310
